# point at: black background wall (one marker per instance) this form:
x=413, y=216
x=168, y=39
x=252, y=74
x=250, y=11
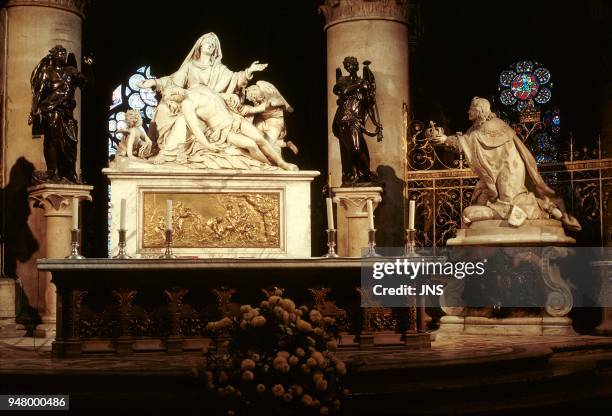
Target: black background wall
x=463, y=48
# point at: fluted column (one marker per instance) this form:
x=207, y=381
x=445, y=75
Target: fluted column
x=374, y=30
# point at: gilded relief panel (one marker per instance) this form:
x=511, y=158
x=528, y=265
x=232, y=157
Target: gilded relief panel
x=213, y=220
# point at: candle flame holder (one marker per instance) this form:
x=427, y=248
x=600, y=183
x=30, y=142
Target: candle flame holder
x=168, y=253
x=122, y=243
x=410, y=243
x=74, y=245
x=371, y=251
x=331, y=244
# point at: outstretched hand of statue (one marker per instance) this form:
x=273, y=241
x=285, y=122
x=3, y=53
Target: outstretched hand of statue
x=435, y=135
x=256, y=67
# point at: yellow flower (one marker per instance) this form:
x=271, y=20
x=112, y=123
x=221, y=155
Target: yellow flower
x=324, y=410
x=305, y=368
x=315, y=316
x=300, y=352
x=255, y=357
x=303, y=325
x=287, y=397
x=264, y=304
x=321, y=385
x=311, y=362
x=287, y=304
x=278, y=390
x=261, y=388
x=307, y=400
x=245, y=308
x=332, y=345
x=247, y=364
x=341, y=368
x=293, y=360
x=248, y=376
x=318, y=332
x=317, y=376
x=283, y=353
x=258, y=321
x=273, y=300
x=243, y=325
x=337, y=404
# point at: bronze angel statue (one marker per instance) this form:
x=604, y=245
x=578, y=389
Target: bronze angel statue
x=54, y=82
x=356, y=104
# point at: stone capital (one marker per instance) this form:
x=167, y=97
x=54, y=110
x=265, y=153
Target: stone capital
x=354, y=200
x=338, y=11
x=74, y=6
x=56, y=199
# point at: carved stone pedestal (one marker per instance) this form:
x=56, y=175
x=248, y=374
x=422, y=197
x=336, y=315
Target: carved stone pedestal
x=552, y=320
x=56, y=200
x=8, y=327
x=353, y=217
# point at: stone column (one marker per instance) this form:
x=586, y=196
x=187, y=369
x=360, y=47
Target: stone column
x=56, y=201
x=353, y=218
x=29, y=28
x=374, y=30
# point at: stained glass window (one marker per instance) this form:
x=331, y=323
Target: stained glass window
x=523, y=83
x=525, y=91
x=130, y=96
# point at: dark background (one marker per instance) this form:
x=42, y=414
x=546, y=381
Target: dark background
x=459, y=51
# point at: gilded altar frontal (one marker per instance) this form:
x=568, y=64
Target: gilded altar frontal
x=213, y=220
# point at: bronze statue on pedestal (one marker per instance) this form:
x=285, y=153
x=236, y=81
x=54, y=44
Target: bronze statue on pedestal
x=54, y=82
x=356, y=104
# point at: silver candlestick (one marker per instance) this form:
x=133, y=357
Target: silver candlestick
x=331, y=244
x=74, y=245
x=410, y=244
x=122, y=242
x=168, y=253
x=371, y=252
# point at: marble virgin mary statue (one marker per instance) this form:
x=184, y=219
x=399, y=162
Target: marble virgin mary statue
x=202, y=67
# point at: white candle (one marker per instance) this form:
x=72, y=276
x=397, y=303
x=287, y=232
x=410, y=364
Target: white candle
x=75, y=213
x=411, y=210
x=168, y=214
x=330, y=213
x=370, y=214
x=122, y=215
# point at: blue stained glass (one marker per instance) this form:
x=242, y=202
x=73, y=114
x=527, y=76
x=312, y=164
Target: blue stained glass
x=506, y=78
x=135, y=80
x=556, y=120
x=542, y=74
x=150, y=112
x=524, y=66
x=543, y=96
x=116, y=97
x=136, y=102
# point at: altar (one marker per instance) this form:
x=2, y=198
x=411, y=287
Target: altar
x=113, y=306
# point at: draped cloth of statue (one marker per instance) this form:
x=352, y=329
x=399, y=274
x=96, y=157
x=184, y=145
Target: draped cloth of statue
x=509, y=182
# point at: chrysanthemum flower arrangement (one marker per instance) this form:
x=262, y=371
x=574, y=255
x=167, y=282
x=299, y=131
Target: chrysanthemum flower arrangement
x=281, y=360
